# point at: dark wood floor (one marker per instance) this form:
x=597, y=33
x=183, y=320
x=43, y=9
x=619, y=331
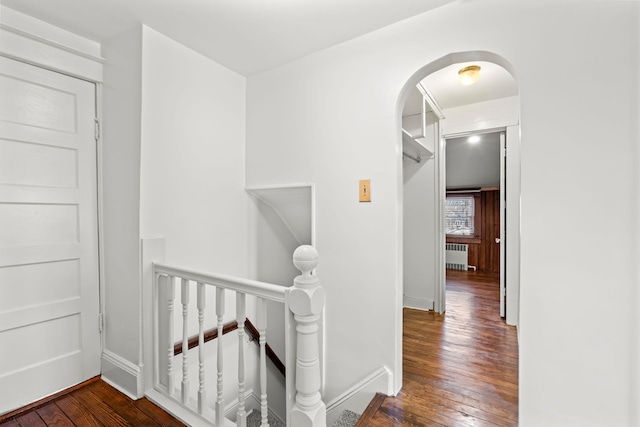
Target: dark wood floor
x=460, y=368
x=95, y=404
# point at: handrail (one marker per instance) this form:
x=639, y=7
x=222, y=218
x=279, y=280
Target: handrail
x=252, y=287
x=252, y=331
x=209, y=334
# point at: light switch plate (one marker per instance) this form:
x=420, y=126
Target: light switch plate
x=365, y=190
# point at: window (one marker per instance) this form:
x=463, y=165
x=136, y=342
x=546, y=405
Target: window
x=460, y=215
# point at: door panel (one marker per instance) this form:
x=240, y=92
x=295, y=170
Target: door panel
x=49, y=291
x=503, y=224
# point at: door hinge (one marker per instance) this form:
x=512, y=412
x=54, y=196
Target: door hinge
x=100, y=322
x=97, y=128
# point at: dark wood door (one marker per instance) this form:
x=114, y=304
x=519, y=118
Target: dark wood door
x=489, y=259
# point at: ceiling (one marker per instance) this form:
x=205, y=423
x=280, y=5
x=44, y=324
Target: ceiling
x=247, y=36
x=495, y=82
x=444, y=87
x=472, y=165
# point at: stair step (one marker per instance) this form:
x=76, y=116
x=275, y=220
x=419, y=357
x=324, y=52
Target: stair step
x=255, y=418
x=347, y=419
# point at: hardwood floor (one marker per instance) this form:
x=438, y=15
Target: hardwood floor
x=460, y=368
x=95, y=404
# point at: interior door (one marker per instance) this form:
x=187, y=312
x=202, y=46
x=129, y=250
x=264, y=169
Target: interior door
x=49, y=288
x=503, y=224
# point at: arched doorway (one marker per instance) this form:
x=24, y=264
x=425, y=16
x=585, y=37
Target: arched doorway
x=496, y=116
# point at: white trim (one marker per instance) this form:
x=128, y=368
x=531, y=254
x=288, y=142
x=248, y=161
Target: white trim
x=357, y=397
x=51, y=43
x=482, y=131
x=176, y=409
x=512, y=231
x=399, y=261
x=41, y=44
x=47, y=31
x=263, y=290
x=480, y=127
x=429, y=99
x=122, y=374
x=191, y=418
x=440, y=291
x=152, y=250
x=102, y=279
x=418, y=303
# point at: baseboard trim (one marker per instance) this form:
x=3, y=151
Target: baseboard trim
x=371, y=410
x=191, y=418
x=122, y=375
x=418, y=303
x=357, y=397
x=169, y=405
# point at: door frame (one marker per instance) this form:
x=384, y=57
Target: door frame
x=510, y=271
x=37, y=43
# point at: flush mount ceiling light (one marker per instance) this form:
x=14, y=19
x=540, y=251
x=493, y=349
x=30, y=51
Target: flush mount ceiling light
x=469, y=75
x=473, y=139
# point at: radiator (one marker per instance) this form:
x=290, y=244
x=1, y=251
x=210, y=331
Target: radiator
x=457, y=256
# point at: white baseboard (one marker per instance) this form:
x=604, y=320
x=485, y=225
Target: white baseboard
x=418, y=303
x=185, y=415
x=358, y=397
x=122, y=374
x=191, y=418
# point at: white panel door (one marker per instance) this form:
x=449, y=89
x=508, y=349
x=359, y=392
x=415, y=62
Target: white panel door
x=49, y=291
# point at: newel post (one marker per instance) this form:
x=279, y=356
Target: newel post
x=306, y=301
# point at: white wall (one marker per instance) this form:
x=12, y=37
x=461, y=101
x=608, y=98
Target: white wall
x=495, y=113
x=121, y=186
x=192, y=172
x=173, y=167
x=419, y=222
x=574, y=365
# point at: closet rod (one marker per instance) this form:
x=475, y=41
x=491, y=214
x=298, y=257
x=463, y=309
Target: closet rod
x=415, y=159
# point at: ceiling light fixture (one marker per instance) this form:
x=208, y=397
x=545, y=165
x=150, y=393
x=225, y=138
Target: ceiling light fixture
x=473, y=139
x=469, y=75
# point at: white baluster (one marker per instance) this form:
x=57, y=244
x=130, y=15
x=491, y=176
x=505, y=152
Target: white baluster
x=170, y=297
x=220, y=314
x=241, y=310
x=202, y=393
x=185, y=341
x=306, y=301
x=262, y=329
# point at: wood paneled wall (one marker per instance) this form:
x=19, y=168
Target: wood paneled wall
x=484, y=252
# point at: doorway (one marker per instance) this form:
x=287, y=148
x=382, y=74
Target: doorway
x=457, y=117
x=474, y=217
x=461, y=111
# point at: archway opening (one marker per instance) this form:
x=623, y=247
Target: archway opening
x=434, y=113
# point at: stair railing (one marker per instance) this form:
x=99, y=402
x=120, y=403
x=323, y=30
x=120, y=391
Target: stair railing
x=303, y=305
